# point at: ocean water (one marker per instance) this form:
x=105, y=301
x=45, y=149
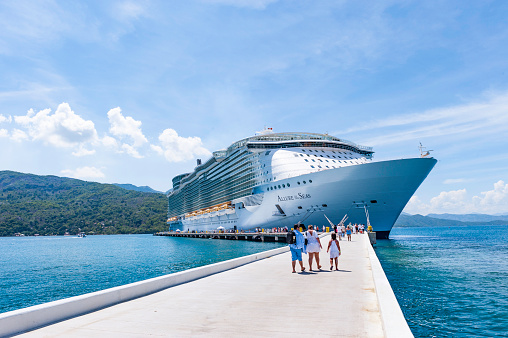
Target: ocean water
x=36, y=270
x=450, y=282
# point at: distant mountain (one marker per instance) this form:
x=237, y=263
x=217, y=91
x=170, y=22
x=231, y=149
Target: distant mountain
x=144, y=188
x=406, y=220
x=51, y=205
x=470, y=217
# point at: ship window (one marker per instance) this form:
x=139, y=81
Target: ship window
x=311, y=167
x=267, y=189
x=288, y=185
x=319, y=166
x=327, y=166
x=296, y=155
x=373, y=201
x=298, y=182
x=283, y=185
x=315, y=155
x=320, y=160
x=310, y=181
x=310, y=150
x=301, y=154
x=324, y=205
x=279, y=186
x=299, y=207
x=306, y=160
x=304, y=182
x=267, y=153
x=275, y=187
x=303, y=150
x=308, y=155
x=322, y=151
x=333, y=151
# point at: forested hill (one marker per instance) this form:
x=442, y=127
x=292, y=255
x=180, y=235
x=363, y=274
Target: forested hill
x=51, y=205
x=406, y=220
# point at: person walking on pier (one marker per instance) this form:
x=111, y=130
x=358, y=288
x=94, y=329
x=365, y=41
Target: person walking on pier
x=348, y=232
x=334, y=249
x=313, y=246
x=297, y=248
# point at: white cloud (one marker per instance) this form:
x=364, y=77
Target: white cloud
x=454, y=180
x=82, y=151
x=131, y=150
x=110, y=142
x=470, y=121
x=129, y=10
x=255, y=4
x=84, y=173
x=459, y=202
x=7, y=119
x=18, y=135
x=177, y=149
x=4, y=133
x=63, y=129
x=126, y=127
x=498, y=197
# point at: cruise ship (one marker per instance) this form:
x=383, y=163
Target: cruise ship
x=280, y=179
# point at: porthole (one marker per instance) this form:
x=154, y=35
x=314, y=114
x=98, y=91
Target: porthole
x=283, y=185
x=299, y=207
x=298, y=182
x=310, y=181
x=279, y=186
x=324, y=205
x=304, y=182
x=267, y=189
x=288, y=185
x=275, y=187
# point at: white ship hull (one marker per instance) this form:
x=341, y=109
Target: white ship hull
x=384, y=188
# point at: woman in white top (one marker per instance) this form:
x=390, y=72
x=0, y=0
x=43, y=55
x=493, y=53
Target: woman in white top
x=313, y=246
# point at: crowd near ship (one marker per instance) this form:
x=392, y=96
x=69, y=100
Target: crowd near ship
x=280, y=179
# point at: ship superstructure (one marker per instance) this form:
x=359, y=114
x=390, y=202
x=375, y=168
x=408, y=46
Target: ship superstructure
x=278, y=179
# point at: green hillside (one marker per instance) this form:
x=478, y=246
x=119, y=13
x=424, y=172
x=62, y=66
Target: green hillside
x=406, y=220
x=51, y=205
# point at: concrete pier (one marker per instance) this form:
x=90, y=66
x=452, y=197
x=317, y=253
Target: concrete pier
x=262, y=298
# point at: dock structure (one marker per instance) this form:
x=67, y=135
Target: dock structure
x=241, y=236
x=255, y=295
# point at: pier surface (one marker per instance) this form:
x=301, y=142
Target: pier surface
x=262, y=298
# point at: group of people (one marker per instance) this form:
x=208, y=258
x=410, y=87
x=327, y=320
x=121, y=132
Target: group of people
x=343, y=230
x=309, y=242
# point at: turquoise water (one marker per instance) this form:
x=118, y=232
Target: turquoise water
x=450, y=282
x=36, y=270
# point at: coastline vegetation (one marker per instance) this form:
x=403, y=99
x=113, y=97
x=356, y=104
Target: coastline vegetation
x=51, y=205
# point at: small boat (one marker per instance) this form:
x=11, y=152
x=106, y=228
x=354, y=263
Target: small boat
x=81, y=234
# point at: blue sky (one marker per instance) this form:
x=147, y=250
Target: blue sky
x=135, y=91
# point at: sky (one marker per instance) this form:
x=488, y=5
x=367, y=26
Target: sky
x=136, y=91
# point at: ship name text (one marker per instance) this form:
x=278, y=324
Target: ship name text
x=299, y=196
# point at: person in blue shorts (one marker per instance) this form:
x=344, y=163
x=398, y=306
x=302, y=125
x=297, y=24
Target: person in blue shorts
x=297, y=249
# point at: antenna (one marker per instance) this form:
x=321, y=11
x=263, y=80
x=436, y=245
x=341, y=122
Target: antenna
x=423, y=152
